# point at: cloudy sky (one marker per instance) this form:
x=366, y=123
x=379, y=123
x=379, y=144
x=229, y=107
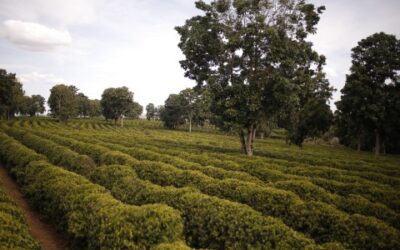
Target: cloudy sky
x=95, y=44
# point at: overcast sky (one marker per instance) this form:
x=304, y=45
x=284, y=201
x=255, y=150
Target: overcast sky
x=95, y=44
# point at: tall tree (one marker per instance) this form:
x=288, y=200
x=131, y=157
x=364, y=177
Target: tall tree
x=374, y=72
x=11, y=94
x=252, y=55
x=116, y=103
x=62, y=102
x=150, y=111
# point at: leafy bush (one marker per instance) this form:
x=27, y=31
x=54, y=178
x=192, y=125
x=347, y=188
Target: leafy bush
x=14, y=231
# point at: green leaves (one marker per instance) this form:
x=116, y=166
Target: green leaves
x=116, y=102
x=243, y=50
x=368, y=95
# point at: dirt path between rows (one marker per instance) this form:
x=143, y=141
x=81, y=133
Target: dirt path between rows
x=42, y=232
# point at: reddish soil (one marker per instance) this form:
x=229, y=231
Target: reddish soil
x=41, y=231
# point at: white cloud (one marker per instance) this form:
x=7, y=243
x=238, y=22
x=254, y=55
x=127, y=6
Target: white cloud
x=34, y=36
x=35, y=77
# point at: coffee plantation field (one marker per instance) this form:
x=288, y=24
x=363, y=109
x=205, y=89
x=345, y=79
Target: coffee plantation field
x=144, y=187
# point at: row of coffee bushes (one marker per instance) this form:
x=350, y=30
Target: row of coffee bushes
x=304, y=188
x=341, y=227
x=14, y=230
x=143, y=154
x=375, y=193
x=352, y=204
x=345, y=176
x=287, y=153
x=85, y=211
x=308, y=191
x=217, y=223
x=212, y=222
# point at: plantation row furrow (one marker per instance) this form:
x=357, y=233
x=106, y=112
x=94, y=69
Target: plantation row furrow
x=267, y=226
x=307, y=191
x=14, y=230
x=270, y=201
x=90, y=216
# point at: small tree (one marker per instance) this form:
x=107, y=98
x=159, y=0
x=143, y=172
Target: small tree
x=83, y=105
x=94, y=108
x=135, y=110
x=116, y=103
x=189, y=98
x=174, y=112
x=150, y=111
x=62, y=102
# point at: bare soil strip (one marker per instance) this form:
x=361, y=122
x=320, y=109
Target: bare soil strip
x=42, y=232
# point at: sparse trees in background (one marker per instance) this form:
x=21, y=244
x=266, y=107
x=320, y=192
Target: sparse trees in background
x=83, y=105
x=94, y=108
x=63, y=102
x=116, y=103
x=369, y=107
x=253, y=57
x=32, y=105
x=11, y=95
x=174, y=113
x=150, y=111
x=135, y=110
x=189, y=98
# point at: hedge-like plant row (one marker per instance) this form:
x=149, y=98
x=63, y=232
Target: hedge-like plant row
x=345, y=176
x=86, y=211
x=242, y=229
x=309, y=192
x=201, y=232
x=14, y=231
x=270, y=201
x=388, y=196
x=361, y=165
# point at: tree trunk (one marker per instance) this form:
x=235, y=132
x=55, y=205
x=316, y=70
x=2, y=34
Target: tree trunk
x=243, y=142
x=247, y=141
x=359, y=143
x=122, y=121
x=249, y=149
x=190, y=123
x=377, y=142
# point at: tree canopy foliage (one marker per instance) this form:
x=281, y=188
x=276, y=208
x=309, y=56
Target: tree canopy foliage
x=32, y=105
x=254, y=59
x=116, y=103
x=369, y=109
x=11, y=94
x=63, y=102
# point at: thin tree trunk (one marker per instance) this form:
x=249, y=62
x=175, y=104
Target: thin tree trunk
x=243, y=142
x=122, y=121
x=377, y=142
x=359, y=143
x=190, y=123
